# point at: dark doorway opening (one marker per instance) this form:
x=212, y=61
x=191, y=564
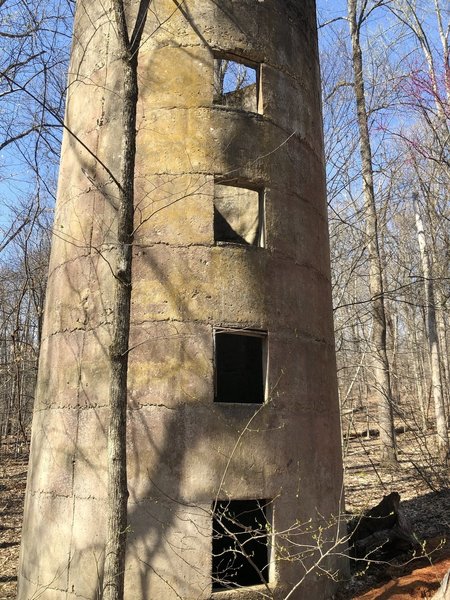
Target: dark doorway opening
x=240, y=548
x=239, y=362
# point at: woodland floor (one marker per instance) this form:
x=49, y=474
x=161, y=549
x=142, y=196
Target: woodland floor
x=425, y=501
x=13, y=476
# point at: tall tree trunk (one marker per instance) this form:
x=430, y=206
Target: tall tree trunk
x=380, y=364
x=118, y=352
x=419, y=375
x=433, y=340
x=443, y=345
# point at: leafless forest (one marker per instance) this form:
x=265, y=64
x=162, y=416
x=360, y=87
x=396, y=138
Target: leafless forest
x=386, y=103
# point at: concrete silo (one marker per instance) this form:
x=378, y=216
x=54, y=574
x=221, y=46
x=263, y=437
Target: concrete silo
x=233, y=425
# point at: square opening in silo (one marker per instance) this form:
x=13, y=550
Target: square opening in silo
x=238, y=215
x=240, y=544
x=240, y=358
x=236, y=83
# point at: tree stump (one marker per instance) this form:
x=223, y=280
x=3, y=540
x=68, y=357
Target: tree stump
x=383, y=531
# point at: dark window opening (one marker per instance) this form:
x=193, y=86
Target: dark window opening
x=236, y=84
x=238, y=215
x=239, y=367
x=240, y=548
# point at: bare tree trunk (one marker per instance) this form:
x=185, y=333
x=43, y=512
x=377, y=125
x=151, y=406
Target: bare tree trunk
x=444, y=349
x=392, y=322
x=433, y=341
x=118, y=352
x=380, y=364
x=419, y=375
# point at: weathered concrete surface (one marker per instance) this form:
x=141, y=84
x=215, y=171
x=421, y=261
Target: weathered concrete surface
x=184, y=450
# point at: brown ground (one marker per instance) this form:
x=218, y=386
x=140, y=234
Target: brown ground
x=425, y=494
x=13, y=473
x=425, y=501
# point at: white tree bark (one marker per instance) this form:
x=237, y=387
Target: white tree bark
x=432, y=336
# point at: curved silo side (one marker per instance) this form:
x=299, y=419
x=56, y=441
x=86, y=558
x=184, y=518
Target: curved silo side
x=232, y=383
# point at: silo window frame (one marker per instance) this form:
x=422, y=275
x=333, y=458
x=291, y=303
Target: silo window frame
x=224, y=97
x=233, y=541
x=232, y=361
x=226, y=226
